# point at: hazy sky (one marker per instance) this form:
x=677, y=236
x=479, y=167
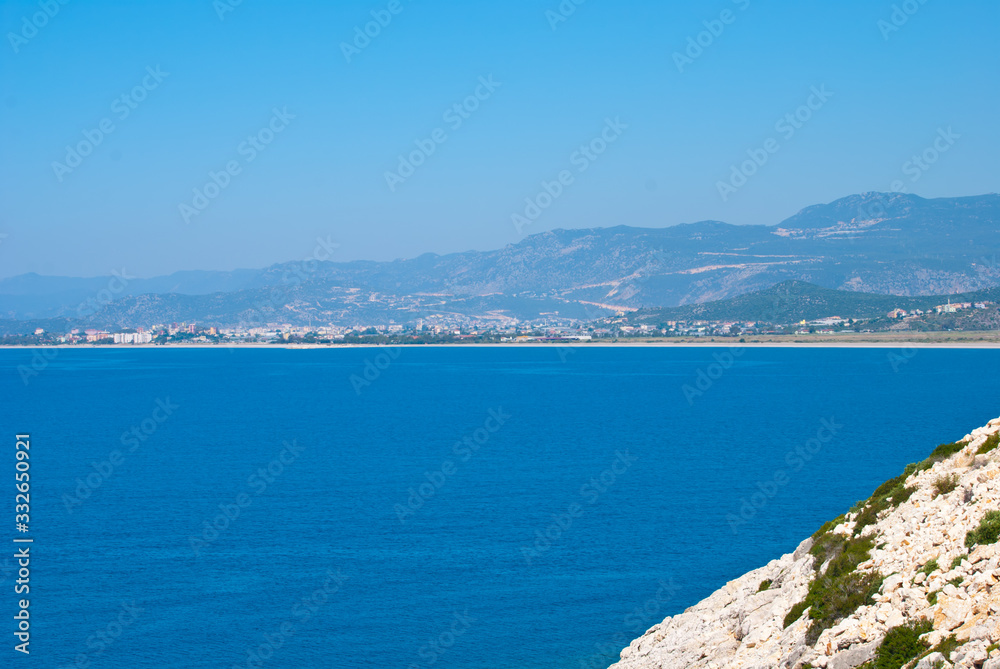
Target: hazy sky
x=309, y=117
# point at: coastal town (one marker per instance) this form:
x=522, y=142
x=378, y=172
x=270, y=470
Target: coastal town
x=452, y=328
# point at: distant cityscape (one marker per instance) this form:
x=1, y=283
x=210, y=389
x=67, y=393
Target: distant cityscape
x=457, y=328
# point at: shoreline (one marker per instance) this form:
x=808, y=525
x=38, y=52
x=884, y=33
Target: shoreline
x=974, y=345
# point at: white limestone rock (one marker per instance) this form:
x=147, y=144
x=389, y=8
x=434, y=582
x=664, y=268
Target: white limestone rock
x=739, y=628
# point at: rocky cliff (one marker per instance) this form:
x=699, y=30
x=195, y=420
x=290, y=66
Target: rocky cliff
x=907, y=578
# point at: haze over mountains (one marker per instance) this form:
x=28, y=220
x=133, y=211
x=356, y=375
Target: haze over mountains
x=896, y=244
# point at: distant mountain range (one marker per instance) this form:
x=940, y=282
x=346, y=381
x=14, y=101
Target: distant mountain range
x=894, y=244
x=793, y=301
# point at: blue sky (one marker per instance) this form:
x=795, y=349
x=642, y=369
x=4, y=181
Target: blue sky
x=338, y=119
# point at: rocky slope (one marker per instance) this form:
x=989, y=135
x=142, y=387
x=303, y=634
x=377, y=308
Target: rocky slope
x=898, y=572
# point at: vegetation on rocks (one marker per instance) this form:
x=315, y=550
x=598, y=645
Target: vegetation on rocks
x=945, y=484
x=930, y=567
x=947, y=450
x=840, y=590
x=900, y=646
x=991, y=443
x=988, y=531
x=889, y=495
x=871, y=586
x=946, y=647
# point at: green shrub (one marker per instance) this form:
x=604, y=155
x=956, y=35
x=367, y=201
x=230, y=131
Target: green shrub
x=947, y=647
x=932, y=597
x=901, y=645
x=988, y=531
x=945, y=450
x=889, y=495
x=886, y=488
x=930, y=567
x=945, y=484
x=764, y=585
x=990, y=444
x=795, y=613
x=957, y=581
x=827, y=526
x=841, y=589
x=836, y=599
x=957, y=561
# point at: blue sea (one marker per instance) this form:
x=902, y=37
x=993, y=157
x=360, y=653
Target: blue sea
x=435, y=507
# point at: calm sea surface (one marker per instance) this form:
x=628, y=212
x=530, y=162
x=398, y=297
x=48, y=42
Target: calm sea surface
x=467, y=507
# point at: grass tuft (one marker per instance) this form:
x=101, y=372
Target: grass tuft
x=945, y=484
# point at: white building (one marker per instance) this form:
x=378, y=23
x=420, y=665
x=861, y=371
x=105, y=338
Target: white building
x=133, y=337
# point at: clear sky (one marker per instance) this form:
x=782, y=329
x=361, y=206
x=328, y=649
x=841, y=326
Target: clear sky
x=207, y=85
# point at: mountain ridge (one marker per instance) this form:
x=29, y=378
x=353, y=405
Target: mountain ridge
x=871, y=243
